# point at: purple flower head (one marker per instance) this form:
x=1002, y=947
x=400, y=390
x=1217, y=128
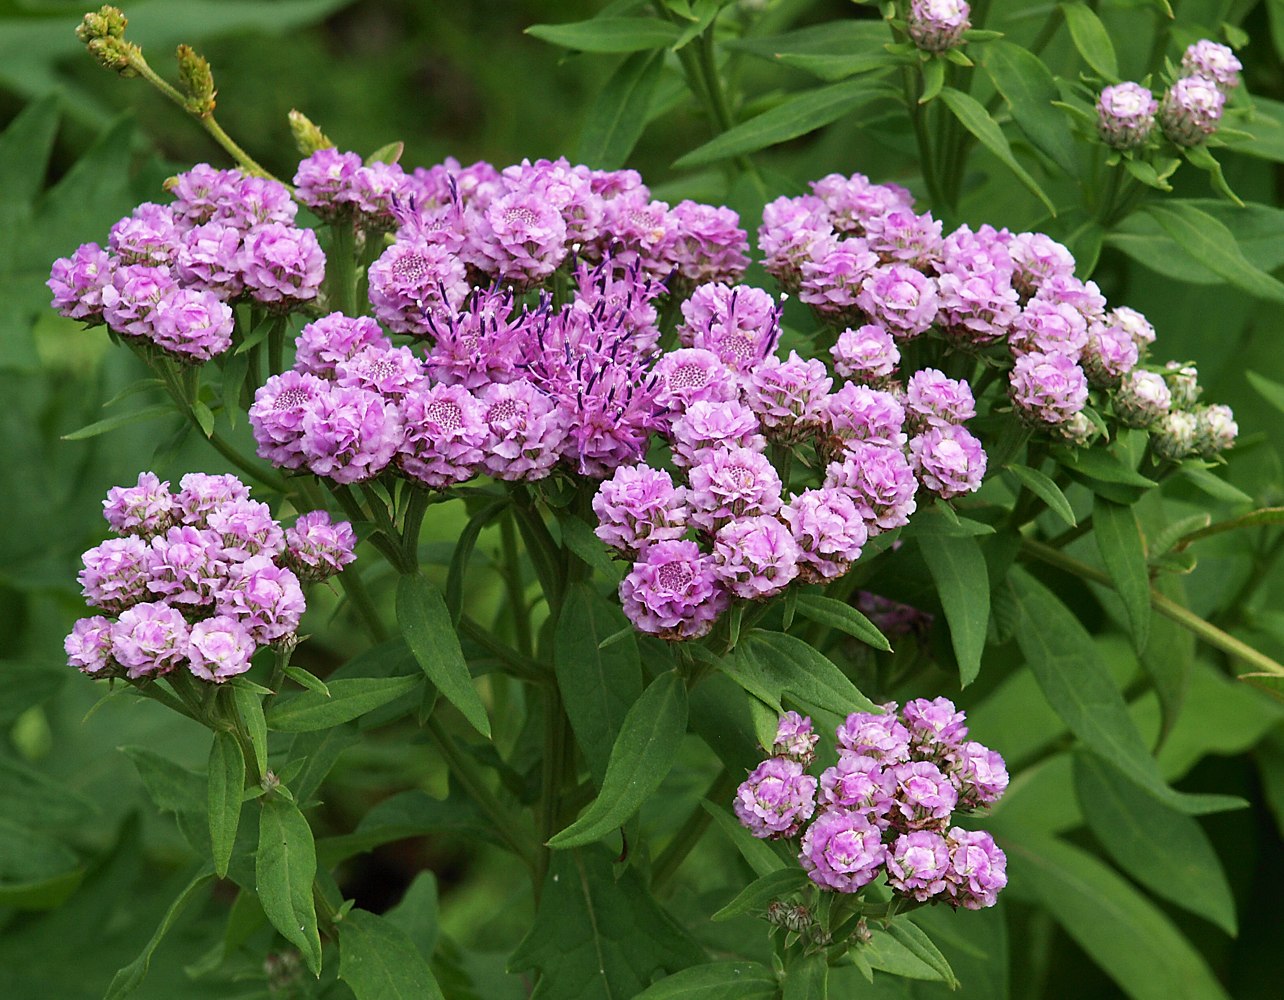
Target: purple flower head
x=282, y=264
x=1212, y=61
x=790, y=228
x=193, y=323
x=1084, y=296
x=445, y=431
x=1191, y=110
x=707, y=426
x=258, y=201
x=1039, y=259
x=209, y=257
x=979, y=773
x=391, y=372
x=690, y=375
x=900, y=236
x=740, y=324
x=246, y=528
x=317, y=548
x=881, y=737
x=149, y=640
x=829, y=531
x=788, y=396
x=621, y=298
x=610, y=184
x=937, y=25
x=859, y=783
x=201, y=193
x=565, y=188
x=1143, y=399
x=115, y=574
x=220, y=648
x=1215, y=430
x=933, y=400
x=413, y=284
x=199, y=495
x=1126, y=115
x=776, y=799
x=637, y=507
x=709, y=244
x=525, y=431
x=755, y=557
x=795, y=739
x=78, y=281
x=842, y=850
x=148, y=236
x=673, y=591
x=933, y=723
x=349, y=435
x=977, y=306
x=859, y=413
x=523, y=240
x=1173, y=437
x=924, y=797
x=978, y=869
x=145, y=509
x=264, y=597
x=732, y=483
x=88, y=646
x=1050, y=327
x=1183, y=383
x=1048, y=388
x=130, y=301
x=832, y=277
x=901, y=299
x=880, y=483
x=978, y=252
x=323, y=181
x=949, y=461
x=187, y=566
x=278, y=413
x=918, y=864
x=1110, y=354
x=377, y=190
x=866, y=354
x=480, y=344
x=851, y=202
x=635, y=229
x=325, y=342
x=1134, y=324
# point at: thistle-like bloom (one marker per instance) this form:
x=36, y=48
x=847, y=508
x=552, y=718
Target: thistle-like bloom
x=1037, y=260
x=900, y=236
x=732, y=483
x=193, y=324
x=479, y=345
x=1049, y=326
x=949, y=461
x=325, y=342
x=852, y=203
x=1215, y=430
x=639, y=506
x=918, y=864
x=709, y=426
x=741, y=325
x=829, y=531
x=115, y=574
x=258, y=201
x=933, y=723
x=977, y=305
x=859, y=783
x=1048, y=388
x=859, y=413
x=147, y=236
x=393, y=373
x=790, y=228
x=187, y=566
x=924, y=797
x=978, y=869
x=1173, y=438
x=378, y=189
x=282, y=264
x=673, y=591
x=882, y=737
x=1212, y=61
x=937, y=25
x=1143, y=399
x=867, y=354
x=795, y=739
x=209, y=257
x=524, y=239
x=842, y=850
x=220, y=648
x=1079, y=430
x=525, y=431
x=444, y=434
x=145, y=509
x=979, y=773
x=755, y=557
x=350, y=435
x=933, y=400
x=88, y=645
x=880, y=483
x=1126, y=115
x=788, y=396
x=264, y=597
x=690, y=375
x=323, y=181
x=78, y=281
x=1191, y=110
x=149, y=640
x=246, y=528
x=901, y=299
x=278, y=414
x=317, y=548
x=414, y=283
x=1109, y=355
x=709, y=244
x=776, y=799
x=199, y=495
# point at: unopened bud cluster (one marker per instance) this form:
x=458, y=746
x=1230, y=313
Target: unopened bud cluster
x=937, y=25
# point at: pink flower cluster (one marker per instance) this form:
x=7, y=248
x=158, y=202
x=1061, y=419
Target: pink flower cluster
x=887, y=806
x=171, y=273
x=199, y=578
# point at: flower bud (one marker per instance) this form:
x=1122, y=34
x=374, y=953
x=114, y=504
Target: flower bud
x=108, y=22
x=114, y=54
x=1213, y=62
x=1183, y=383
x=1126, y=115
x=307, y=136
x=937, y=25
x=1174, y=438
x=197, y=81
x=1191, y=110
x=1143, y=399
x=1215, y=430
x=1078, y=430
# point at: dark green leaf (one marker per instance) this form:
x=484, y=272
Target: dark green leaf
x=347, y=700
x=307, y=680
x=1169, y=657
x=25, y=684
x=284, y=869
x=379, y=962
x=1163, y=849
x=842, y=37
x=1211, y=244
x=463, y=555
x=1123, y=551
x=417, y=915
x=425, y=622
x=608, y=34
x=772, y=666
x=407, y=814
x=598, y=682
x=641, y=758
x=24, y=150
x=131, y=976
x=807, y=979
x=716, y=981
x=973, y=116
x=171, y=786
x=757, y=853
x=759, y=894
x=1194, y=472
x=912, y=937
x=958, y=569
x=1027, y=85
x=249, y=706
x=579, y=537
x=843, y=617
x=1091, y=39
x=121, y=420
x=226, y=783
x=1046, y=490
x=619, y=116
x=1098, y=467
x=1268, y=389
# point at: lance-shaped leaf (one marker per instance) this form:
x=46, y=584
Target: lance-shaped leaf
x=1091, y=39
x=641, y=758
x=716, y=981
x=1046, y=490
x=284, y=869
x=845, y=618
x=226, y=783
x=807, y=979
x=249, y=706
x=425, y=622
x=131, y=976
x=1122, y=550
x=772, y=666
x=379, y=962
x=619, y=116
x=608, y=34
x=1213, y=245
x=958, y=568
x=347, y=699
x=1028, y=87
x=759, y=894
x=973, y=117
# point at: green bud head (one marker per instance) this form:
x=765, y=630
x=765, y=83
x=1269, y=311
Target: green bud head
x=307, y=136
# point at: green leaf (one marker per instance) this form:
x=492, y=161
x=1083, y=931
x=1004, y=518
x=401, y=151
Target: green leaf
x=1122, y=931
x=1123, y=551
x=1028, y=87
x=226, y=783
x=425, y=622
x=1046, y=490
x=963, y=585
x=579, y=537
x=759, y=894
x=839, y=38
x=703, y=14
x=1077, y=684
x=1163, y=849
x=306, y=679
x=416, y=915
x=973, y=117
x=798, y=115
x=619, y=116
x=1103, y=472
x=716, y=981
x=598, y=682
x=608, y=34
x=348, y=699
x=284, y=869
x=807, y=979
x=171, y=786
x=1211, y=244
x=131, y=976
x=599, y=934
x=913, y=938
x=845, y=618
x=379, y=962
x=1091, y=39
x=1194, y=472
x=407, y=814
x=235, y=369
x=1202, y=157
x=772, y=666
x=933, y=79
x=1268, y=389
x=25, y=684
x=250, y=708
x=642, y=756
x=1169, y=657
x=121, y=420
x=463, y=554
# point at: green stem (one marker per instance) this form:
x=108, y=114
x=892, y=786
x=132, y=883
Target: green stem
x=420, y=500
x=553, y=773
x=520, y=664
x=513, y=585
x=341, y=266
x=359, y=597
x=912, y=86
